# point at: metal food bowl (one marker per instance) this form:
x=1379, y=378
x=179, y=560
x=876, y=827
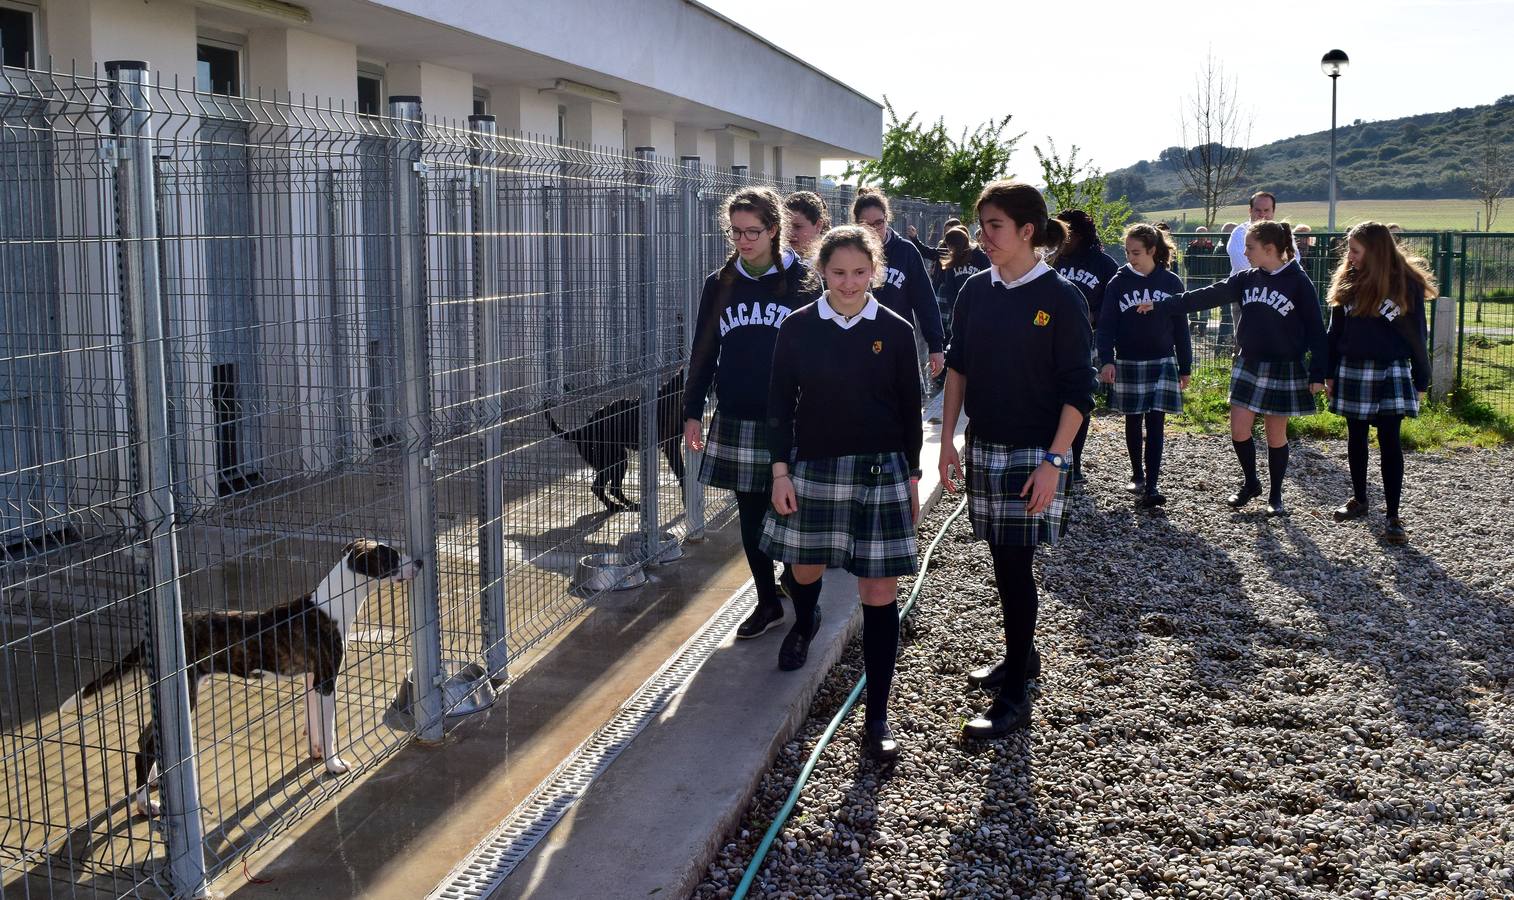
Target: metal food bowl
x=607, y=572
x=466, y=690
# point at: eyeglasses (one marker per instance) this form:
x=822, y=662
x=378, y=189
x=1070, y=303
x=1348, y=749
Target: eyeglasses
x=875, y=224
x=750, y=234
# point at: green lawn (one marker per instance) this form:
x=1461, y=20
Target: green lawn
x=1413, y=215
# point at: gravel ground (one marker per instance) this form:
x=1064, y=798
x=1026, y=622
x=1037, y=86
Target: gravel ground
x=1231, y=706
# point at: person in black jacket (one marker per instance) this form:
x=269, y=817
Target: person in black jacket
x=957, y=265
x=1081, y=260
x=1279, y=324
x=1379, y=364
x=740, y=310
x=844, y=434
x=906, y=287
x=1147, y=358
x=808, y=220
x=1019, y=367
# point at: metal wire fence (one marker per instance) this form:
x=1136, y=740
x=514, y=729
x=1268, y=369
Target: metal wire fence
x=235, y=337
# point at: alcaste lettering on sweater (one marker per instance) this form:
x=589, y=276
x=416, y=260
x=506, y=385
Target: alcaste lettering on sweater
x=1269, y=296
x=907, y=290
x=734, y=334
x=1089, y=269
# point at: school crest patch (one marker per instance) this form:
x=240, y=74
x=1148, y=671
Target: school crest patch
x=1042, y=317
x=877, y=346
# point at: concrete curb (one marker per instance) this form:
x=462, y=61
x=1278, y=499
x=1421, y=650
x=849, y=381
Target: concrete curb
x=653, y=822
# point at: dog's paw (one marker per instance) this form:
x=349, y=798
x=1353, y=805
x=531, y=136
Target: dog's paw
x=337, y=766
x=143, y=805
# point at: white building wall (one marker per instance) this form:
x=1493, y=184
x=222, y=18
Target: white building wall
x=445, y=93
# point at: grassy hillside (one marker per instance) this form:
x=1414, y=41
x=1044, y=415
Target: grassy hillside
x=1419, y=157
x=1414, y=215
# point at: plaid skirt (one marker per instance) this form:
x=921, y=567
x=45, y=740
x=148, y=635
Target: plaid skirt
x=995, y=475
x=736, y=455
x=1366, y=389
x=1147, y=385
x=1271, y=388
x=854, y=514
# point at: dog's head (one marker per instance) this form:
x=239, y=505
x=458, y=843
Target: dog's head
x=370, y=559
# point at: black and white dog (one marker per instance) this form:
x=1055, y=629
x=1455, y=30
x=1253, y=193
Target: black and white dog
x=305, y=637
x=609, y=437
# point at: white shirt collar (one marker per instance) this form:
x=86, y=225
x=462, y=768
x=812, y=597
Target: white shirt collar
x=869, y=311
x=1282, y=267
x=1036, y=271
x=787, y=259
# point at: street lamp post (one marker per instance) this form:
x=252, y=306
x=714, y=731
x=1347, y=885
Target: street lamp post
x=1333, y=64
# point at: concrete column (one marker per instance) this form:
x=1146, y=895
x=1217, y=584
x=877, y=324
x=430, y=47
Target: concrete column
x=1443, y=354
x=162, y=32
x=797, y=162
x=594, y=123
x=650, y=131
x=692, y=141
x=447, y=93
x=731, y=151
x=761, y=156
x=525, y=110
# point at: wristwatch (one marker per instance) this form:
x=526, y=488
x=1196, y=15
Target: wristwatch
x=1057, y=460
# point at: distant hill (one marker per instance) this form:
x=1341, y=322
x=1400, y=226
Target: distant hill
x=1418, y=157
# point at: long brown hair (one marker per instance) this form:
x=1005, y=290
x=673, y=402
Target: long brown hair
x=767, y=206
x=1386, y=273
x=1025, y=205
x=959, y=248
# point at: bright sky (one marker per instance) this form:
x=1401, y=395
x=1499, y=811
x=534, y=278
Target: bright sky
x=1122, y=78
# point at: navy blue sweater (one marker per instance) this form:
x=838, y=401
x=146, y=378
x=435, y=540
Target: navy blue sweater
x=1024, y=353
x=1382, y=337
x=844, y=391
x=981, y=260
x=1280, y=315
x=1089, y=269
x=734, y=336
x=1128, y=334
x=951, y=282
x=907, y=289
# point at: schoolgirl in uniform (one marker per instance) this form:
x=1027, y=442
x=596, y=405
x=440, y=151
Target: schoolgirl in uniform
x=1279, y=323
x=1378, y=364
x=1147, y=358
x=906, y=287
x=808, y=220
x=1019, y=367
x=958, y=264
x=740, y=310
x=844, y=433
x=1081, y=260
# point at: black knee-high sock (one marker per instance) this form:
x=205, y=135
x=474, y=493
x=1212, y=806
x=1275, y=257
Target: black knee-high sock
x=1017, y=599
x=1245, y=451
x=1392, y=452
x=1156, y=439
x=751, y=507
x=1277, y=467
x=1133, y=447
x=1356, y=456
x=1077, y=445
x=880, y=647
x=806, y=597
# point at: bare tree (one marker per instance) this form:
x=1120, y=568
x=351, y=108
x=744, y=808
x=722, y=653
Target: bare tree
x=1491, y=177
x=1215, y=159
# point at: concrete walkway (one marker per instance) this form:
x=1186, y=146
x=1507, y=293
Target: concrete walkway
x=653, y=821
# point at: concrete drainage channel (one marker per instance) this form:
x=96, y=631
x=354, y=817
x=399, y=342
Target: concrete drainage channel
x=497, y=855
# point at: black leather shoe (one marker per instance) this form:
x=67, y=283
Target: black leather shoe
x=878, y=742
x=990, y=677
x=1396, y=533
x=1136, y=486
x=795, y=650
x=1155, y=498
x=1352, y=509
x=762, y=620
x=1276, y=510
x=1248, y=492
x=1000, y=719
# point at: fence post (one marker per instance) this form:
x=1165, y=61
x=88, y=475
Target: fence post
x=489, y=394
x=152, y=460
x=1443, y=348
x=646, y=229
x=692, y=240
x=411, y=321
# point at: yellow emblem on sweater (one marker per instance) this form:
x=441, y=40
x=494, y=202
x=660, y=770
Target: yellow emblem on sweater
x=877, y=346
x=1042, y=317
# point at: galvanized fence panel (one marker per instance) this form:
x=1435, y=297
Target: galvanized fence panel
x=1485, y=349
x=236, y=335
